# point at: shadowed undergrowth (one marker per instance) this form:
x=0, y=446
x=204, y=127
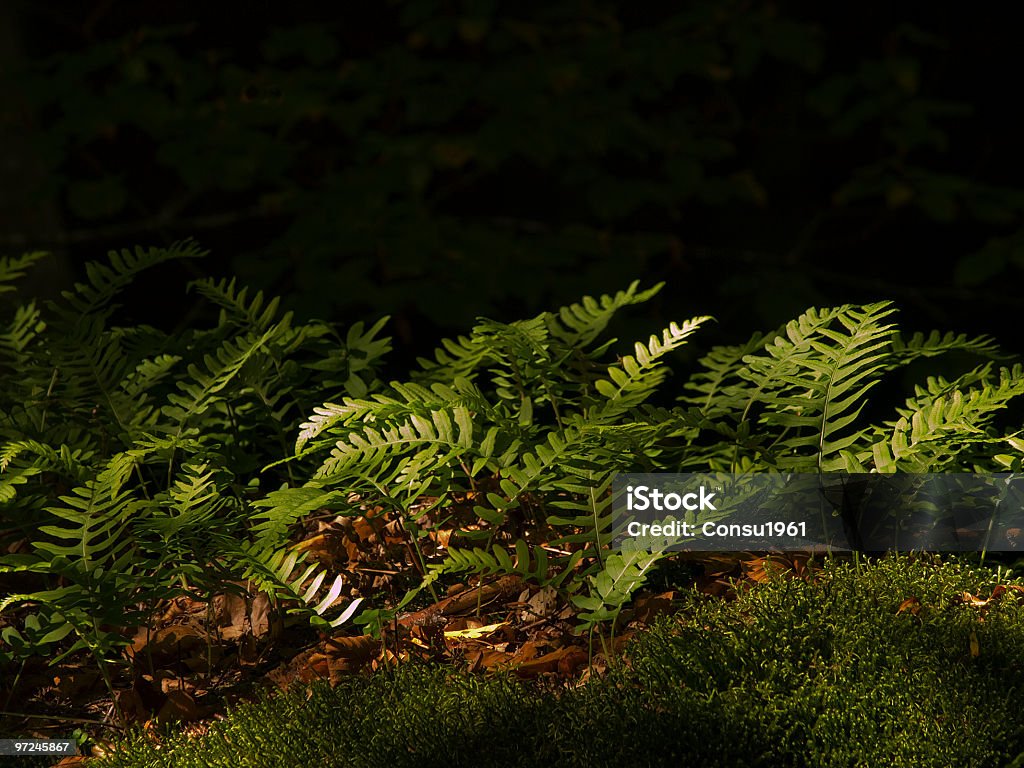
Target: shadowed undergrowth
x=907, y=661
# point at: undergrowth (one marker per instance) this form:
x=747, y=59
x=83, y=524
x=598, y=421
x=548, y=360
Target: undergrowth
x=137, y=465
x=836, y=671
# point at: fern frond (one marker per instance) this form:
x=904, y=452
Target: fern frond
x=578, y=325
x=236, y=307
x=356, y=359
x=632, y=381
x=373, y=451
x=106, y=280
x=148, y=374
x=710, y=387
x=612, y=587
x=827, y=392
x=22, y=330
x=490, y=343
x=221, y=368
x=274, y=572
x=191, y=504
x=919, y=345
x=284, y=507
x=96, y=523
x=944, y=421
x=813, y=380
x=13, y=268
x=534, y=566
x=339, y=419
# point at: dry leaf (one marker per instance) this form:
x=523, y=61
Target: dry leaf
x=129, y=704
x=181, y=707
x=574, y=658
x=911, y=604
x=549, y=662
x=71, y=761
x=649, y=607
x=976, y=602
x=541, y=605
x=474, y=632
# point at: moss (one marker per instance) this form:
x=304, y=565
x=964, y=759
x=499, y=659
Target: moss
x=791, y=673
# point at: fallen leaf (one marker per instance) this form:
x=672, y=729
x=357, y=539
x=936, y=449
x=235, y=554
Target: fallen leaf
x=238, y=616
x=474, y=632
x=181, y=707
x=129, y=704
x=168, y=645
x=541, y=605
x=911, y=604
x=549, y=662
x=71, y=761
x=649, y=607
x=490, y=659
x=976, y=602
x=574, y=658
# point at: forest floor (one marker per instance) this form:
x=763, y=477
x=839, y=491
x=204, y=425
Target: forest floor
x=199, y=658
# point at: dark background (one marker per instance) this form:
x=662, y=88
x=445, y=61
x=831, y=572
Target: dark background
x=437, y=161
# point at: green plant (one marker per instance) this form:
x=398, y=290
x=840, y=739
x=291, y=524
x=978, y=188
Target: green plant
x=533, y=420
x=825, y=673
x=129, y=456
x=136, y=465
x=526, y=417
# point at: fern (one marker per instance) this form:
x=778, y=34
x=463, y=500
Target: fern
x=722, y=365
x=612, y=587
x=105, y=281
x=128, y=458
x=634, y=379
x=236, y=308
x=479, y=562
x=940, y=429
x=525, y=408
x=935, y=343
x=13, y=268
x=273, y=571
x=825, y=392
x=137, y=465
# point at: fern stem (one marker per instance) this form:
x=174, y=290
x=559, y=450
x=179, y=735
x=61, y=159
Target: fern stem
x=46, y=399
x=597, y=530
x=14, y=684
x=105, y=673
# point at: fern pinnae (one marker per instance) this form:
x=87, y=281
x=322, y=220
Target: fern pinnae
x=579, y=324
x=13, y=268
x=106, y=280
x=863, y=339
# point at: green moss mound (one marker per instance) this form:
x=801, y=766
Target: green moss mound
x=791, y=673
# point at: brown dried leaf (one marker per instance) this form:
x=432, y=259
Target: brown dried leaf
x=351, y=653
x=167, y=645
x=649, y=607
x=911, y=604
x=541, y=605
x=549, y=662
x=574, y=658
x=129, y=704
x=181, y=707
x=974, y=602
